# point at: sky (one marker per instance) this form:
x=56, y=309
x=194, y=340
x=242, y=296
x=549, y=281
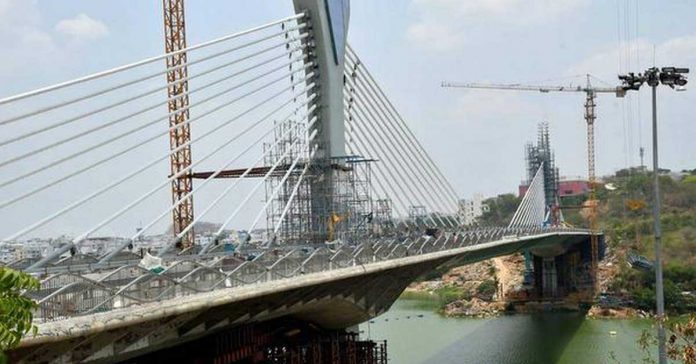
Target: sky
x=476, y=137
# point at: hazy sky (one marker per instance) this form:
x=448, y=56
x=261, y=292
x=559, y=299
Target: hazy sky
x=410, y=46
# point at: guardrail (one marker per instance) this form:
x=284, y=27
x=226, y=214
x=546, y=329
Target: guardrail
x=69, y=294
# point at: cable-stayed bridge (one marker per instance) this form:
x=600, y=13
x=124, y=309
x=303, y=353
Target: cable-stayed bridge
x=280, y=129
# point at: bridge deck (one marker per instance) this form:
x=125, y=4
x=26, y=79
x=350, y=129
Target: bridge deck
x=340, y=297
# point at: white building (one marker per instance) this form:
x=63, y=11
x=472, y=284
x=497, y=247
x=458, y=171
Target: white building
x=470, y=209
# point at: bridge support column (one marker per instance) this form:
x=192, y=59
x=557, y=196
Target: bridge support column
x=563, y=271
x=549, y=278
x=329, y=27
x=528, y=268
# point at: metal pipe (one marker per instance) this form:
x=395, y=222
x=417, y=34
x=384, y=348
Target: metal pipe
x=294, y=191
x=251, y=193
x=277, y=189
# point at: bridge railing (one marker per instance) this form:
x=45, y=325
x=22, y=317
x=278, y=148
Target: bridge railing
x=66, y=295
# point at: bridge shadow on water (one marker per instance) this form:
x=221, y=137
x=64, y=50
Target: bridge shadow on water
x=516, y=339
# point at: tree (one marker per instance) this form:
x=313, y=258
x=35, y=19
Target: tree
x=15, y=308
x=681, y=342
x=500, y=210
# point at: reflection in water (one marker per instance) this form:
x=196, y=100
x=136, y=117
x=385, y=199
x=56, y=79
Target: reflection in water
x=515, y=339
x=416, y=334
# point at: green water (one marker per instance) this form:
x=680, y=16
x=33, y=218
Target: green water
x=416, y=334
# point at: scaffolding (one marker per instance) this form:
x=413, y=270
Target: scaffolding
x=349, y=213
x=539, y=154
x=383, y=222
x=289, y=137
x=358, y=200
x=333, y=201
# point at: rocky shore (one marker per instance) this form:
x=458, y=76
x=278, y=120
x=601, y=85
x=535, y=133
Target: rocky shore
x=474, y=290
x=597, y=311
x=489, y=288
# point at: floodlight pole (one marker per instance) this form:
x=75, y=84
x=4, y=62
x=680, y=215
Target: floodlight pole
x=659, y=289
x=668, y=76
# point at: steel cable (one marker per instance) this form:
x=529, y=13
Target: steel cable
x=109, y=72
x=398, y=117
x=113, y=156
x=139, y=170
x=368, y=105
x=404, y=142
x=404, y=130
x=162, y=118
x=159, y=88
x=402, y=180
x=198, y=187
x=216, y=173
x=385, y=172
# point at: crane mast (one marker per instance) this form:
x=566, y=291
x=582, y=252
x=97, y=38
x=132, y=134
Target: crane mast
x=177, y=92
x=590, y=117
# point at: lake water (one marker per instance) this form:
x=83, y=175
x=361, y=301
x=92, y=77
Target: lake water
x=416, y=334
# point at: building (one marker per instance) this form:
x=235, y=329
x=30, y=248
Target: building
x=470, y=209
x=573, y=186
x=567, y=186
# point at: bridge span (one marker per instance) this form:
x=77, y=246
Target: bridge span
x=336, y=290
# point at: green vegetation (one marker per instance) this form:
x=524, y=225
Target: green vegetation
x=626, y=218
x=689, y=179
x=677, y=279
x=500, y=210
x=449, y=294
x=437, y=299
x=421, y=300
x=487, y=289
x=15, y=308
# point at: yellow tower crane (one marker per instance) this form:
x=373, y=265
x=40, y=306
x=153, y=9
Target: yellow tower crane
x=590, y=117
x=174, y=43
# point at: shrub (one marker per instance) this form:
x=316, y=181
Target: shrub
x=15, y=308
x=450, y=294
x=487, y=288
